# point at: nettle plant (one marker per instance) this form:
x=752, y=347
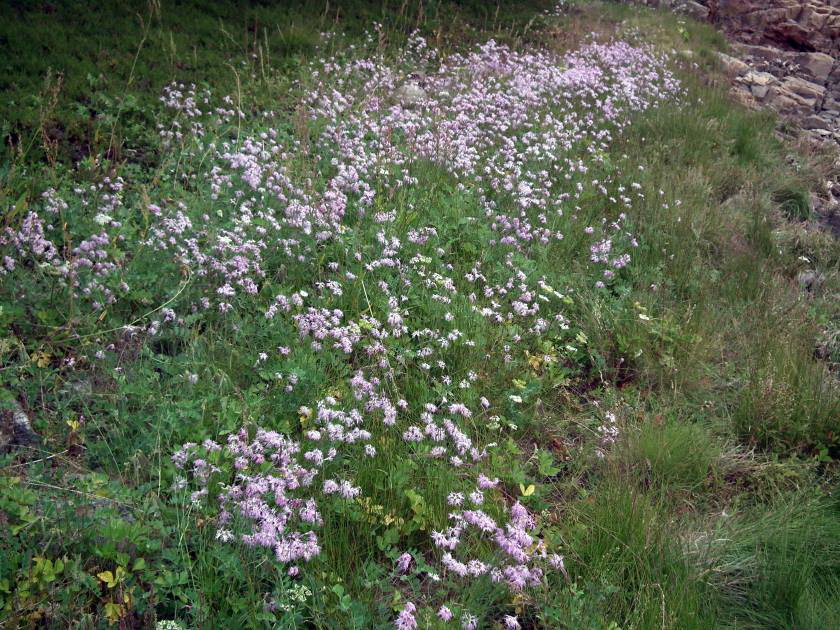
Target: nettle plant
x=417, y=313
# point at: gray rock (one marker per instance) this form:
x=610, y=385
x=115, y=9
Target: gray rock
x=795, y=95
x=765, y=53
x=15, y=428
x=785, y=102
x=759, y=91
x=743, y=96
x=82, y=387
x=410, y=95
x=754, y=77
x=732, y=66
x=818, y=65
x=759, y=83
x=790, y=33
x=809, y=279
x=694, y=9
x=816, y=122
x=810, y=93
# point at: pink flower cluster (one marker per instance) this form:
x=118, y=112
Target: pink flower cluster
x=314, y=234
x=263, y=485
x=525, y=134
x=93, y=268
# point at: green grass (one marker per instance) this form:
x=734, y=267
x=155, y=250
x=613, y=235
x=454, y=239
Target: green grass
x=713, y=508
x=680, y=456
x=777, y=566
x=81, y=79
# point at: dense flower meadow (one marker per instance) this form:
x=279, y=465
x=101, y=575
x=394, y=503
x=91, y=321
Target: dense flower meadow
x=316, y=228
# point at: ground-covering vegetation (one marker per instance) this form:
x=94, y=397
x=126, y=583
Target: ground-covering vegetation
x=435, y=314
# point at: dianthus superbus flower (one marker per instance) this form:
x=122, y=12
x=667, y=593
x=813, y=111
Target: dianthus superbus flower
x=403, y=562
x=406, y=620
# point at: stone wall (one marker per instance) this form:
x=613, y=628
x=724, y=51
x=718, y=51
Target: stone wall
x=798, y=25
x=786, y=55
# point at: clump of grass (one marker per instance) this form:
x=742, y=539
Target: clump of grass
x=673, y=455
x=794, y=202
x=775, y=566
x=624, y=539
x=746, y=141
x=789, y=401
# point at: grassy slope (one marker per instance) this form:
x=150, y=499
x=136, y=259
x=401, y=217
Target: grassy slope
x=108, y=61
x=712, y=509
